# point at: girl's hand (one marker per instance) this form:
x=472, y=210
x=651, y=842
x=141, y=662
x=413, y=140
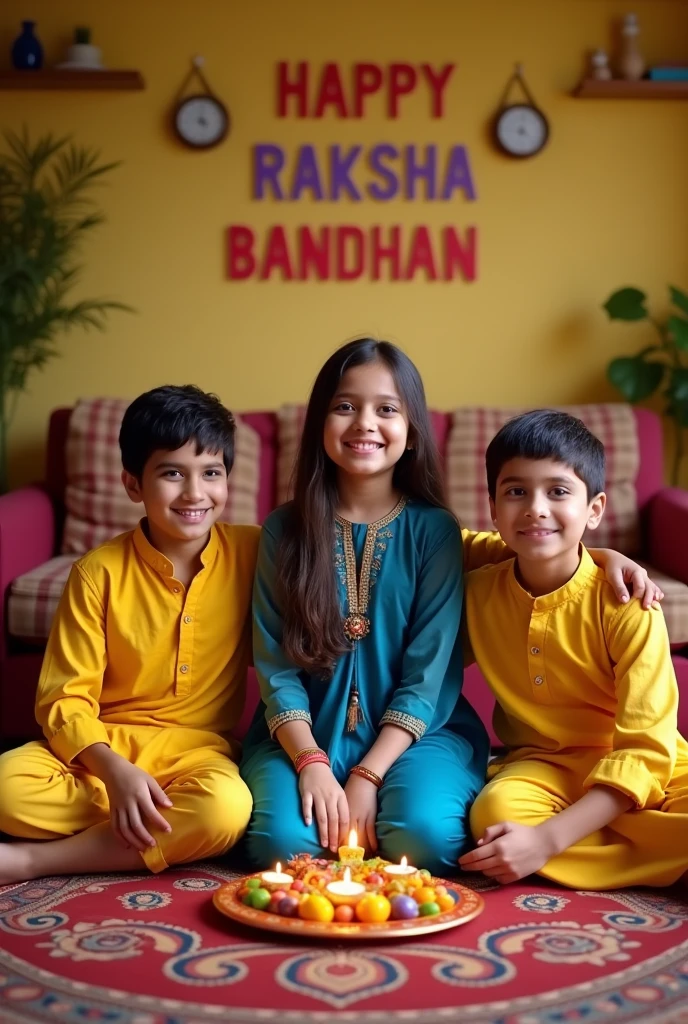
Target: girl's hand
x=620, y=570
x=361, y=797
x=133, y=795
x=322, y=796
x=509, y=851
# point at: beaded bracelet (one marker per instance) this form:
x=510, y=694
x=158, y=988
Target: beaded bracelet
x=309, y=755
x=366, y=773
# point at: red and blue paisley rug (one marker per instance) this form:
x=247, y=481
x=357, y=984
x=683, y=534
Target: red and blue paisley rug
x=132, y=949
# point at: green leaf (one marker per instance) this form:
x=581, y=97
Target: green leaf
x=679, y=410
x=679, y=298
x=678, y=329
x=678, y=384
x=626, y=304
x=635, y=378
x=47, y=211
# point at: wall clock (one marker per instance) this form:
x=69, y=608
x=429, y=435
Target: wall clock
x=201, y=120
x=520, y=129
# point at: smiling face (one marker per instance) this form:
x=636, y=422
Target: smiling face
x=366, y=428
x=541, y=509
x=183, y=493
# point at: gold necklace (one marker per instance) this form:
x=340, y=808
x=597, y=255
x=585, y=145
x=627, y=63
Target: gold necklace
x=357, y=623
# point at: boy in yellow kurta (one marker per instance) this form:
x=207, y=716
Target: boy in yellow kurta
x=592, y=791
x=144, y=673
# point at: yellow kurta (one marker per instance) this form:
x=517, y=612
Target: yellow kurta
x=586, y=694
x=156, y=670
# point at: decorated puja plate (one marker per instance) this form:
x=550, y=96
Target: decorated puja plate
x=364, y=900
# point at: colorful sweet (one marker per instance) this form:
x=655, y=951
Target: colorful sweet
x=259, y=899
x=428, y=909
x=315, y=907
x=404, y=907
x=344, y=913
x=288, y=906
x=373, y=908
x=425, y=894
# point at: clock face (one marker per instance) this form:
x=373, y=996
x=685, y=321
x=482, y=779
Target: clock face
x=201, y=121
x=521, y=130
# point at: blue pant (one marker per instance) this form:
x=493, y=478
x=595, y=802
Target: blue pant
x=423, y=805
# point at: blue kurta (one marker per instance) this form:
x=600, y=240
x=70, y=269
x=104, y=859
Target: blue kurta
x=408, y=671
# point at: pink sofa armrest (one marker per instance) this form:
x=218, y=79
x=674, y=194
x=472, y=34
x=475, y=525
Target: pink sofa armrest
x=668, y=532
x=27, y=538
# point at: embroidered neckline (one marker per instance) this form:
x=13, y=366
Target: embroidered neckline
x=356, y=623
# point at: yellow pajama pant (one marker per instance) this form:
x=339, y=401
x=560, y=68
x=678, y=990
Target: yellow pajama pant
x=42, y=798
x=648, y=847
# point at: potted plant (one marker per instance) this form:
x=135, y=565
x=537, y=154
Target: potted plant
x=46, y=212
x=664, y=363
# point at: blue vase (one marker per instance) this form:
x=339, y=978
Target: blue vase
x=27, y=52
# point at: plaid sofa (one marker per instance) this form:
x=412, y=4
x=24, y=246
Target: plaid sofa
x=82, y=503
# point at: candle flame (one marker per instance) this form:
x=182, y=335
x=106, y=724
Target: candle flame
x=278, y=868
x=347, y=874
x=353, y=837
x=404, y=862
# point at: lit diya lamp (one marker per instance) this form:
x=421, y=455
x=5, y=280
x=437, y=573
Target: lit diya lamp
x=353, y=853
x=345, y=892
x=276, y=879
x=402, y=870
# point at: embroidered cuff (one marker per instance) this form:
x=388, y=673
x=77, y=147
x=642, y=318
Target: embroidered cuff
x=287, y=716
x=416, y=726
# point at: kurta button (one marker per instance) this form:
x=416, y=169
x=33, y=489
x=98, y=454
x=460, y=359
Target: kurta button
x=175, y=590
x=534, y=650
x=183, y=668
x=187, y=619
x=538, y=679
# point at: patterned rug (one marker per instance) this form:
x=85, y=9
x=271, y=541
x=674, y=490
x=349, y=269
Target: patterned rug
x=133, y=949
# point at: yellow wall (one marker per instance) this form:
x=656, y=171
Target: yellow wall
x=606, y=204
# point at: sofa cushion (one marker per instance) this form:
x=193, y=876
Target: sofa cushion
x=474, y=427
x=97, y=504
x=290, y=419
x=33, y=598
x=674, y=605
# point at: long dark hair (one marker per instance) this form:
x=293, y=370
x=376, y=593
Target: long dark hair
x=312, y=633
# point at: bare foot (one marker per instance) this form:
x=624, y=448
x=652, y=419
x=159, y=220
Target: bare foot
x=95, y=850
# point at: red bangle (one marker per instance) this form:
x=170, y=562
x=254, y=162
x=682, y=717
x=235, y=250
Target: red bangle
x=320, y=758
x=304, y=751
x=367, y=774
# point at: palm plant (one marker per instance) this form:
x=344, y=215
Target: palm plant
x=665, y=362
x=46, y=210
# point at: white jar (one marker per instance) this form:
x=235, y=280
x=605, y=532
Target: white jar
x=84, y=55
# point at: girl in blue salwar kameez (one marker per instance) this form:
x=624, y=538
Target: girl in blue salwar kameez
x=357, y=605
x=386, y=694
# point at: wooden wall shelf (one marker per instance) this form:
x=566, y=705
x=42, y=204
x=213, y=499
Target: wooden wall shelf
x=591, y=89
x=65, y=79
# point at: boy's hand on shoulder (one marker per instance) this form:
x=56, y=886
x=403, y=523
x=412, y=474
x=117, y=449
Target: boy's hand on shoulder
x=622, y=571
x=133, y=795
x=509, y=851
